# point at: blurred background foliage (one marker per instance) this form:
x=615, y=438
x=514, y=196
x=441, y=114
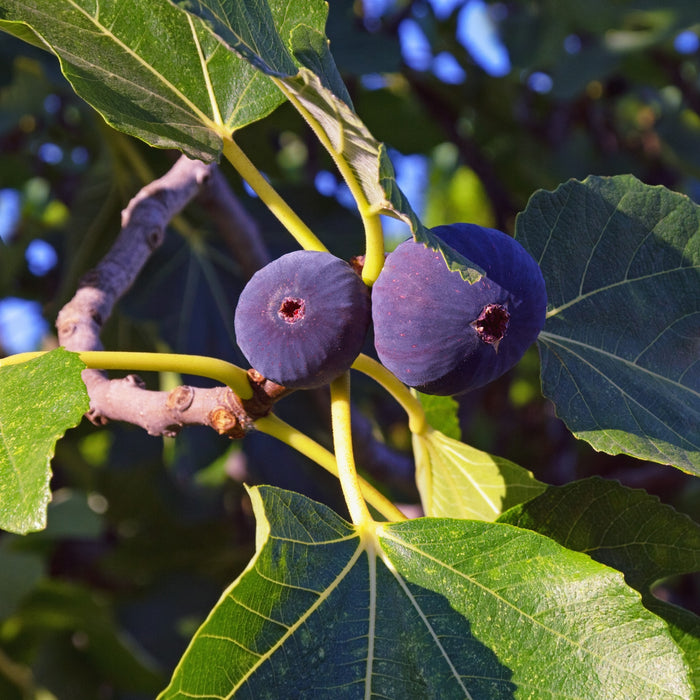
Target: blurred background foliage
x=481, y=104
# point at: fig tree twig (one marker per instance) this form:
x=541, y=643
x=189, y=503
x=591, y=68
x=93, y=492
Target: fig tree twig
x=80, y=321
x=143, y=230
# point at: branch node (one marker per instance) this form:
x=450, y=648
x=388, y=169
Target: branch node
x=265, y=394
x=170, y=431
x=225, y=422
x=180, y=398
x=135, y=380
x=96, y=417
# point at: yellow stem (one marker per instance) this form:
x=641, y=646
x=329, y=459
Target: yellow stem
x=276, y=427
x=342, y=445
x=374, y=236
x=229, y=374
x=374, y=249
x=417, y=422
x=302, y=233
x=237, y=379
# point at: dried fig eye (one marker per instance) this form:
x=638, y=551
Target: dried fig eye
x=442, y=335
x=302, y=320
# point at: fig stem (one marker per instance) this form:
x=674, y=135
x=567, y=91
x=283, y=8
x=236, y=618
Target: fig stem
x=371, y=220
x=417, y=422
x=304, y=236
x=200, y=365
x=342, y=446
x=374, y=247
x=277, y=428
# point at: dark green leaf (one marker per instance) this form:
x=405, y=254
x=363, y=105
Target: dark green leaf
x=620, y=346
x=428, y=608
x=312, y=50
x=625, y=528
x=41, y=399
x=150, y=69
x=66, y=607
x=21, y=571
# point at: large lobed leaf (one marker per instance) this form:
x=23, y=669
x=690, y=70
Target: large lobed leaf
x=39, y=400
x=427, y=608
x=625, y=528
x=620, y=345
x=186, y=75
x=154, y=72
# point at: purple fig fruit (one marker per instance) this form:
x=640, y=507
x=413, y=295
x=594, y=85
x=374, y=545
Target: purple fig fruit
x=302, y=319
x=442, y=335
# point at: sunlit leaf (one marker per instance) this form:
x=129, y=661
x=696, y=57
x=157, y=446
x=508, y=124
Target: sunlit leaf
x=628, y=529
x=151, y=70
x=625, y=528
x=40, y=400
x=441, y=412
x=428, y=608
x=620, y=345
x=456, y=480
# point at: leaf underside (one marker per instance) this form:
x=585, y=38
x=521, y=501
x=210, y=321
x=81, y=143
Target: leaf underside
x=154, y=71
x=430, y=608
x=456, y=480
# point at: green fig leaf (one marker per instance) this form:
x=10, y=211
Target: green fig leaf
x=41, y=399
x=625, y=528
x=629, y=530
x=441, y=412
x=456, y=480
x=188, y=74
x=155, y=73
x=439, y=608
x=619, y=350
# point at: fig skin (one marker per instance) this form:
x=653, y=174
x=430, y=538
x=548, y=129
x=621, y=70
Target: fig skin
x=302, y=319
x=441, y=335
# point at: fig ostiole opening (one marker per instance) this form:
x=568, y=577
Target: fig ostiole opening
x=492, y=324
x=292, y=309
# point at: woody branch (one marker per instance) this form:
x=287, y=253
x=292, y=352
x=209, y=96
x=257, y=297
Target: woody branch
x=80, y=321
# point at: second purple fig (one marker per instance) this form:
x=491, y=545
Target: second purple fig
x=442, y=335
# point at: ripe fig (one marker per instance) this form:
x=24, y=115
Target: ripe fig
x=442, y=335
x=302, y=319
